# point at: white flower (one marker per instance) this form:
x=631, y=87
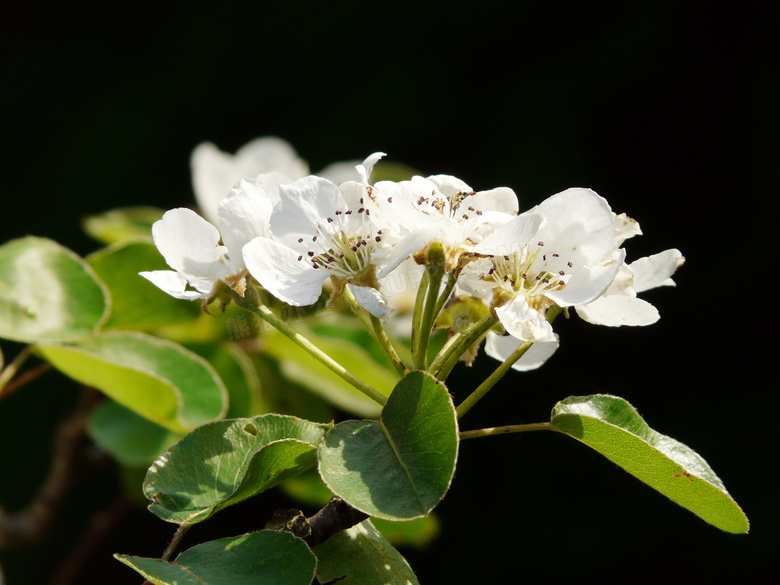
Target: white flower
x=191, y=245
x=619, y=304
x=561, y=253
x=214, y=173
x=321, y=230
x=500, y=347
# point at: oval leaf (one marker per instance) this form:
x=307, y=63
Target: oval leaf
x=48, y=293
x=225, y=462
x=299, y=366
x=611, y=426
x=130, y=438
x=267, y=557
x=158, y=379
x=400, y=466
x=123, y=223
x=136, y=302
x=361, y=556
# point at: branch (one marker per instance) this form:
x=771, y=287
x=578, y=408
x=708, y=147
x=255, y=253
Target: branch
x=334, y=517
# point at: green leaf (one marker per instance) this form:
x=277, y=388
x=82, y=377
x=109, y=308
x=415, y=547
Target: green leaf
x=611, y=426
x=130, y=438
x=361, y=556
x=225, y=462
x=267, y=557
x=400, y=466
x=158, y=379
x=237, y=371
x=417, y=533
x=121, y=224
x=48, y=293
x=299, y=366
x=137, y=303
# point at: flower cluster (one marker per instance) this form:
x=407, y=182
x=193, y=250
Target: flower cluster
x=291, y=233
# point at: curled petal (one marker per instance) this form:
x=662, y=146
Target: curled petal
x=655, y=270
x=175, y=285
x=524, y=322
x=372, y=301
x=500, y=347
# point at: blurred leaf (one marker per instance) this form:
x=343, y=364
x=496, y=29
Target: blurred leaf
x=225, y=462
x=267, y=557
x=361, y=556
x=400, y=466
x=611, y=426
x=238, y=374
x=121, y=224
x=48, y=293
x=158, y=379
x=307, y=488
x=137, y=303
x=392, y=171
x=131, y=439
x=298, y=365
x=417, y=533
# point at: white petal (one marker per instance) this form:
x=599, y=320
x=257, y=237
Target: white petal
x=190, y=244
x=618, y=310
x=245, y=214
x=625, y=228
x=589, y=282
x=655, y=270
x=512, y=236
x=500, y=347
x=372, y=301
x=449, y=185
x=580, y=227
x=341, y=172
x=364, y=169
x=499, y=199
x=269, y=154
x=304, y=204
x=170, y=282
x=278, y=270
x=523, y=322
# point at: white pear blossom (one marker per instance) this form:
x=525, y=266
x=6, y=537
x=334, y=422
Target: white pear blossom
x=500, y=347
x=202, y=256
x=561, y=253
x=214, y=173
x=321, y=230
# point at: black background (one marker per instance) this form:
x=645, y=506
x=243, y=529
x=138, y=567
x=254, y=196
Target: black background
x=669, y=110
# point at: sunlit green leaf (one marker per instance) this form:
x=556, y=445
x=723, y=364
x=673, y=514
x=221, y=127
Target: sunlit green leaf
x=611, y=426
x=137, y=303
x=301, y=367
x=400, y=466
x=158, y=379
x=48, y=293
x=267, y=557
x=225, y=462
x=361, y=556
x=122, y=224
x=417, y=533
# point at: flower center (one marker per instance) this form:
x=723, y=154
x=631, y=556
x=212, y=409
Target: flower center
x=527, y=273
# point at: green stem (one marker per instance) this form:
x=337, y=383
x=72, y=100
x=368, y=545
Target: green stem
x=417, y=314
x=426, y=326
x=377, y=331
x=491, y=380
x=450, y=354
x=13, y=367
x=451, y=282
x=267, y=315
x=177, y=538
x=545, y=426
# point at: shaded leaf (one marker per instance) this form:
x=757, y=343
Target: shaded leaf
x=611, y=426
x=400, y=466
x=48, y=293
x=267, y=557
x=417, y=533
x=158, y=379
x=225, y=462
x=137, y=303
x=121, y=224
x=361, y=556
x=130, y=438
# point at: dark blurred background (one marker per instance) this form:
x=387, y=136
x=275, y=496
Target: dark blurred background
x=668, y=109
